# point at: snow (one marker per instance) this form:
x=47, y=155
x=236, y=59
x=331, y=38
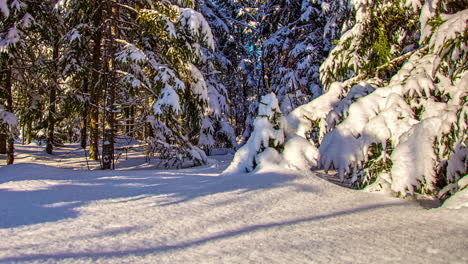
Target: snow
x=265, y=132
x=9, y=39
x=55, y=215
x=199, y=85
x=129, y=53
x=428, y=11
x=301, y=117
x=9, y=120
x=27, y=20
x=299, y=153
x=168, y=98
x=17, y=5
x=414, y=164
x=197, y=24
x=4, y=8
x=457, y=201
x=454, y=26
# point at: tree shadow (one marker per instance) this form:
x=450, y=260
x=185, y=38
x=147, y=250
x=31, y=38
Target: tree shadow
x=41, y=193
x=198, y=242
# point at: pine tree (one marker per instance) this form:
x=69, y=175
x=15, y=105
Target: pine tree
x=266, y=141
x=395, y=96
x=14, y=25
x=235, y=28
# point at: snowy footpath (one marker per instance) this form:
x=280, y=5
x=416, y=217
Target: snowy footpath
x=57, y=215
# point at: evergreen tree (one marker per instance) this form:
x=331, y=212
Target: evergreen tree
x=396, y=117
x=266, y=141
x=14, y=25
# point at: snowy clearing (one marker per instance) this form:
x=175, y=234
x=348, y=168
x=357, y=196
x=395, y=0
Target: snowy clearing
x=56, y=215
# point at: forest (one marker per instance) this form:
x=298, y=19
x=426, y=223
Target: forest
x=374, y=91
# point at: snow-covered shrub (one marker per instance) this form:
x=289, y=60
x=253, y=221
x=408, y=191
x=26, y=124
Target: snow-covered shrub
x=216, y=132
x=173, y=150
x=299, y=153
x=309, y=120
x=272, y=144
x=267, y=137
x=404, y=126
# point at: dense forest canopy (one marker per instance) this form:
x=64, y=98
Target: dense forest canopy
x=376, y=90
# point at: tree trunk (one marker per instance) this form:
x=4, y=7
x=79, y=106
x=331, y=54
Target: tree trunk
x=84, y=116
x=23, y=134
x=9, y=107
x=3, y=143
x=95, y=92
x=3, y=95
x=28, y=131
x=109, y=120
x=52, y=100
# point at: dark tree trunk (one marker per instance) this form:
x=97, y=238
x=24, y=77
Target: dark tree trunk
x=3, y=95
x=3, y=143
x=9, y=107
x=109, y=119
x=84, y=116
x=28, y=131
x=95, y=92
x=52, y=102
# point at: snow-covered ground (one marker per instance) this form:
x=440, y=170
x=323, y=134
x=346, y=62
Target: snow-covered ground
x=57, y=215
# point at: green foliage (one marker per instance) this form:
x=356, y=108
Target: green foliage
x=378, y=161
x=380, y=41
x=156, y=23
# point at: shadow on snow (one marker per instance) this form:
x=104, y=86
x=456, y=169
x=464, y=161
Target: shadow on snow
x=194, y=243
x=61, y=191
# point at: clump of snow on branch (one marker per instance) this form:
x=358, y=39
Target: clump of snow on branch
x=197, y=24
x=206, y=137
x=4, y=8
x=167, y=98
x=198, y=86
x=318, y=109
x=299, y=153
x=448, y=41
x=9, y=39
x=130, y=53
x=9, y=120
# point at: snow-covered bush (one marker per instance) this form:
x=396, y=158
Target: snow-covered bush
x=398, y=115
x=173, y=150
x=267, y=137
x=271, y=144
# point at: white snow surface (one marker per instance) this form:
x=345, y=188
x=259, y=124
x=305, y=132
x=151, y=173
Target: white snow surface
x=56, y=215
x=457, y=201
